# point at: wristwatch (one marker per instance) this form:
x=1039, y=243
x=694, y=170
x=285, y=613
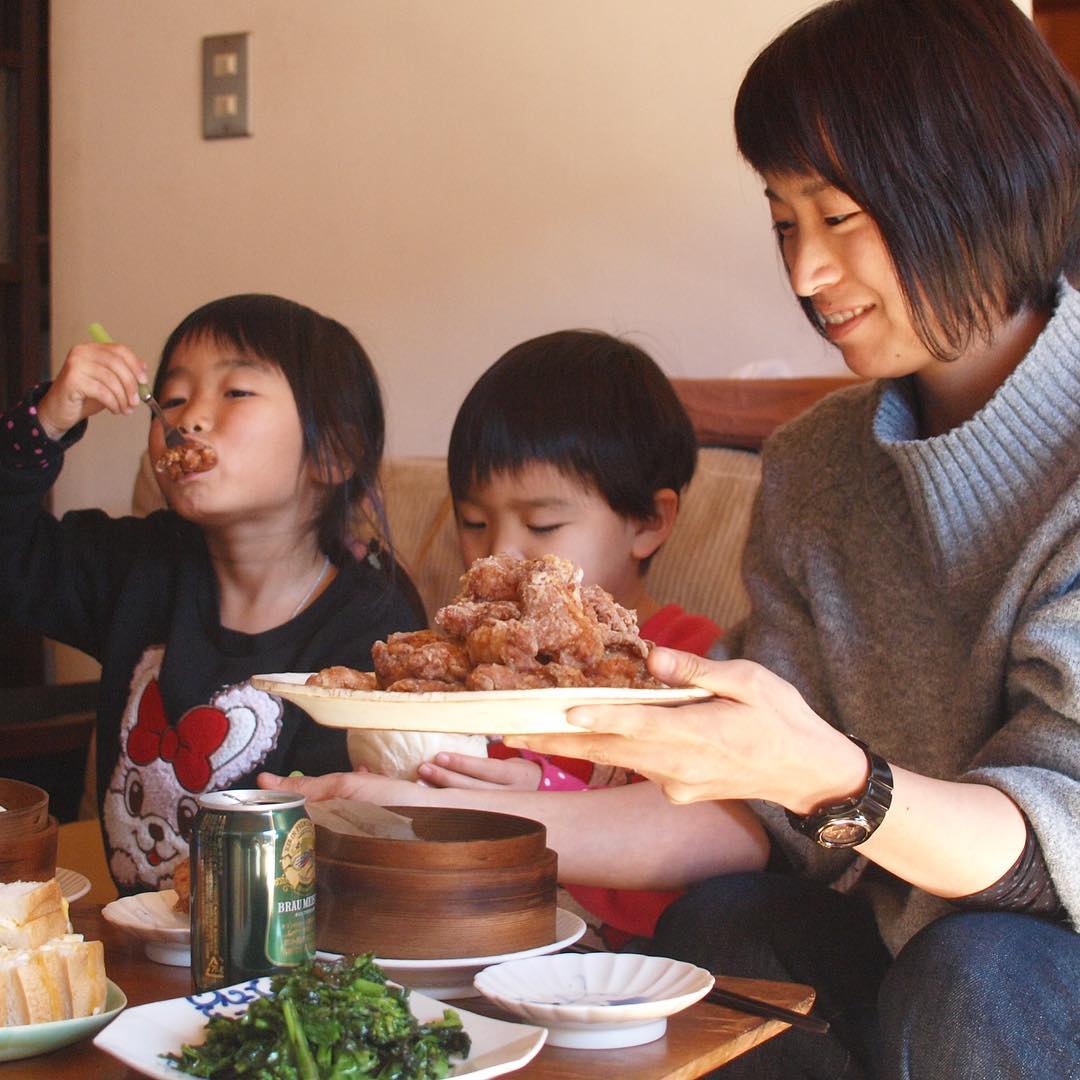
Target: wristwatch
x=852, y=821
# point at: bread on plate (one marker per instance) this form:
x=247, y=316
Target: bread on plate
x=46, y=972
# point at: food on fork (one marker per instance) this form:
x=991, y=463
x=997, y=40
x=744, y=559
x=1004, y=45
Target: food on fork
x=192, y=457
x=515, y=624
x=46, y=972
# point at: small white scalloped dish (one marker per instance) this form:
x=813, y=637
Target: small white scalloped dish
x=596, y=1001
x=152, y=918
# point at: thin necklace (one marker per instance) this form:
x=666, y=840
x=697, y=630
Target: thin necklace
x=314, y=585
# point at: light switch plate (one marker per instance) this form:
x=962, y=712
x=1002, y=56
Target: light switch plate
x=226, y=86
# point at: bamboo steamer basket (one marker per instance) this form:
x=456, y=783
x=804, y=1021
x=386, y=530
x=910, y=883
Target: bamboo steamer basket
x=473, y=883
x=28, y=833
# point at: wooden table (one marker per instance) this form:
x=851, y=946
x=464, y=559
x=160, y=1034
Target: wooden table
x=698, y=1040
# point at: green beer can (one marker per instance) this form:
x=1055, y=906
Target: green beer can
x=252, y=886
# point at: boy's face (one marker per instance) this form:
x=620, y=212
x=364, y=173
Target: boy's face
x=540, y=510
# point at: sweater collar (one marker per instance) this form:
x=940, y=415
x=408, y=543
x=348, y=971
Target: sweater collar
x=981, y=488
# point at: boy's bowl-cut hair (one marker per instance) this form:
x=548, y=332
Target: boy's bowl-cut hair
x=590, y=404
x=953, y=126
x=336, y=390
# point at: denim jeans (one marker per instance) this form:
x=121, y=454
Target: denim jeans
x=973, y=996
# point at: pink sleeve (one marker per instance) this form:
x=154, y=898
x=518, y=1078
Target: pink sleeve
x=552, y=778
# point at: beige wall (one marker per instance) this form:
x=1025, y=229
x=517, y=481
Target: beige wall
x=447, y=177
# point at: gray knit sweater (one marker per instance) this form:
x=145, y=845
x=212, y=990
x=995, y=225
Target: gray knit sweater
x=924, y=595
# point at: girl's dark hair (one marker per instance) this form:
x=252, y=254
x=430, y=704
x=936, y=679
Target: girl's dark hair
x=952, y=125
x=594, y=406
x=336, y=390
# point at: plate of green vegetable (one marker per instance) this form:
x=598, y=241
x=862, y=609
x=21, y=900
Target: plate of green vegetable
x=328, y=1018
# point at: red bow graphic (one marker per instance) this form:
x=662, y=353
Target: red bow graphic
x=187, y=747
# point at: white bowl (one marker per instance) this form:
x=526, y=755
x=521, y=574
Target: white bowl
x=152, y=918
x=593, y=1001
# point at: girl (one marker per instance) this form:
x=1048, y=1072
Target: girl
x=593, y=475
x=913, y=739
x=249, y=570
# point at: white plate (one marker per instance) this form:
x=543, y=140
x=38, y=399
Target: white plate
x=468, y=712
x=72, y=884
x=142, y=1034
x=27, y=1040
x=151, y=917
x=452, y=979
x=593, y=1001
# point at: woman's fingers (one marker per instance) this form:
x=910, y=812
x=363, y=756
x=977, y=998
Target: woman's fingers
x=314, y=788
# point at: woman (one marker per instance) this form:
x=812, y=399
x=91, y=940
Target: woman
x=904, y=710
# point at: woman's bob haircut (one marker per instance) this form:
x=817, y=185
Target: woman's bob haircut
x=952, y=125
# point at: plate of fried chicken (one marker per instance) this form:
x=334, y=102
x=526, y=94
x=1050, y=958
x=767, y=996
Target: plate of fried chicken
x=521, y=643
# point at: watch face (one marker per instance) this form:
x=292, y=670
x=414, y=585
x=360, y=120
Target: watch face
x=843, y=832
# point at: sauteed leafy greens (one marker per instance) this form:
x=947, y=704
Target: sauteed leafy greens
x=328, y=1021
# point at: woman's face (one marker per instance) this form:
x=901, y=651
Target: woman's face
x=835, y=258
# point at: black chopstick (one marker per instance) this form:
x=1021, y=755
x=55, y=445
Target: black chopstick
x=756, y=1007
x=749, y=1005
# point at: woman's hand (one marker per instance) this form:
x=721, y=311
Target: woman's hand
x=363, y=785
x=94, y=377
x=756, y=739
x=449, y=770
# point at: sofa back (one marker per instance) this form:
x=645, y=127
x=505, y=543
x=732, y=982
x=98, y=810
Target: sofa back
x=697, y=568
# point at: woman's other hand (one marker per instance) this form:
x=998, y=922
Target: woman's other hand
x=756, y=739
x=449, y=770
x=363, y=785
x=94, y=377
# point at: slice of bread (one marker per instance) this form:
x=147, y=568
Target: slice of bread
x=63, y=979
x=29, y=935
x=78, y=972
x=21, y=901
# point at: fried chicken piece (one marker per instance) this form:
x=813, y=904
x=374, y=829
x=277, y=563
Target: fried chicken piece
x=512, y=642
x=182, y=885
x=502, y=677
x=564, y=675
x=496, y=577
x=421, y=654
x=191, y=457
x=343, y=678
x=619, y=625
x=551, y=601
x=425, y=686
x=619, y=669
x=460, y=618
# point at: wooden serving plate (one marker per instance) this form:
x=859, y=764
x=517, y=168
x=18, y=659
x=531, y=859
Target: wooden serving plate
x=473, y=883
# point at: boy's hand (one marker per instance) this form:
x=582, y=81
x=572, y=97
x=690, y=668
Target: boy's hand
x=94, y=377
x=465, y=771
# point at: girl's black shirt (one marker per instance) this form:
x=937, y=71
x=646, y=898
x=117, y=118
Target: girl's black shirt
x=176, y=714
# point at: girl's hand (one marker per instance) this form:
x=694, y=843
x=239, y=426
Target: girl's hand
x=363, y=785
x=94, y=377
x=757, y=739
x=467, y=771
